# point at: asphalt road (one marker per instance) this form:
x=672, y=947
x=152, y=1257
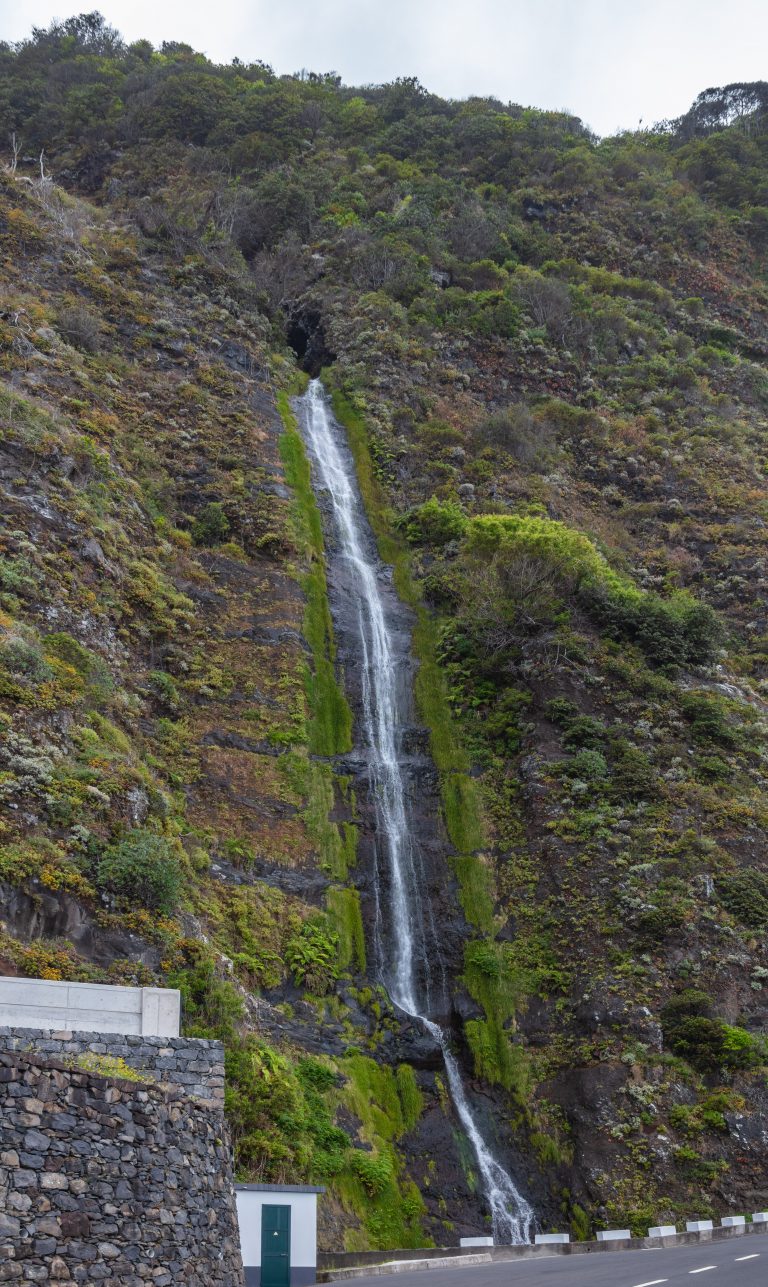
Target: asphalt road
x=731, y=1262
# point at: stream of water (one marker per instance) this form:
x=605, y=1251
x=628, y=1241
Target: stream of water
x=403, y=926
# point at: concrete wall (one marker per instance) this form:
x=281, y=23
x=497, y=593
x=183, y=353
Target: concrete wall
x=89, y=1007
x=303, y=1203
x=106, y=1180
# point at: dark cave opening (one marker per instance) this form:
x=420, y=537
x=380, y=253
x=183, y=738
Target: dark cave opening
x=304, y=334
x=298, y=338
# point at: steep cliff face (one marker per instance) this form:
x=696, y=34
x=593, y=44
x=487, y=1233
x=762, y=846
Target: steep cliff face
x=177, y=804
x=549, y=355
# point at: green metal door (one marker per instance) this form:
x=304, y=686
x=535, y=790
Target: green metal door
x=275, y=1246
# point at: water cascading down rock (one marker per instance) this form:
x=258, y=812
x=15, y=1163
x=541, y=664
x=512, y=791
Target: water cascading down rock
x=411, y=973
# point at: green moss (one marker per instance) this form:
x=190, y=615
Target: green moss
x=411, y=1099
x=111, y=1066
x=475, y=890
x=344, y=910
x=330, y=731
x=496, y=1059
x=462, y=812
x=494, y=980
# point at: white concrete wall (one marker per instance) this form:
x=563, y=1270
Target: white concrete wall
x=303, y=1224
x=89, y=1007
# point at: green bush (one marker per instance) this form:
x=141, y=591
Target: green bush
x=657, y=923
x=633, y=775
x=530, y=441
x=708, y=718
x=583, y=732
x=711, y=1044
x=587, y=766
x=745, y=895
x=672, y=632
x=212, y=526
x=142, y=868
x=435, y=523
x=690, y=1003
x=24, y=657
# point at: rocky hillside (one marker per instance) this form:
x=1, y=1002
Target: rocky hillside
x=551, y=356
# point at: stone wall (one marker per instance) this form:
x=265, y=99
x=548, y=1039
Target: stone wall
x=195, y=1066
x=110, y=1180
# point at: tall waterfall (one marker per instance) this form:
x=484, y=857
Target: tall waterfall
x=407, y=966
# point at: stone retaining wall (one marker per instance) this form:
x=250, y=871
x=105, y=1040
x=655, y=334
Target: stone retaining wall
x=105, y=1179
x=196, y=1066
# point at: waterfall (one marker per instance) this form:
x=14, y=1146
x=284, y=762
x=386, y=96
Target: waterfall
x=407, y=966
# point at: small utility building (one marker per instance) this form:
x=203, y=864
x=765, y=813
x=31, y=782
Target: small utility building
x=278, y=1233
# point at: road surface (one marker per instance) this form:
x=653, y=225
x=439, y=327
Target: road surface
x=728, y=1262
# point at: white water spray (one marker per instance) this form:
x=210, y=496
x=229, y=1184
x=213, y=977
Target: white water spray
x=512, y=1215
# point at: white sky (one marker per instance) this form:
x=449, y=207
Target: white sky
x=609, y=61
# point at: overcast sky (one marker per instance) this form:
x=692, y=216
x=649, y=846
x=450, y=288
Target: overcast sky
x=611, y=62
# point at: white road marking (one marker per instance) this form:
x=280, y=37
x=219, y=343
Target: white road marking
x=653, y=1283
x=754, y=1256
x=703, y=1269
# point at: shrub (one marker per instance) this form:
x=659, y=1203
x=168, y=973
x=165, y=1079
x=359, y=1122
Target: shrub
x=633, y=775
x=685, y=1005
x=671, y=632
x=435, y=523
x=561, y=711
x=708, y=718
x=528, y=439
x=80, y=327
x=501, y=723
x=583, y=732
x=700, y=1041
x=707, y=1043
x=142, y=868
x=212, y=526
x=745, y=895
x=164, y=688
x=23, y=657
x=656, y=923
x=587, y=766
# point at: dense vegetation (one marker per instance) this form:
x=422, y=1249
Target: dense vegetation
x=550, y=352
